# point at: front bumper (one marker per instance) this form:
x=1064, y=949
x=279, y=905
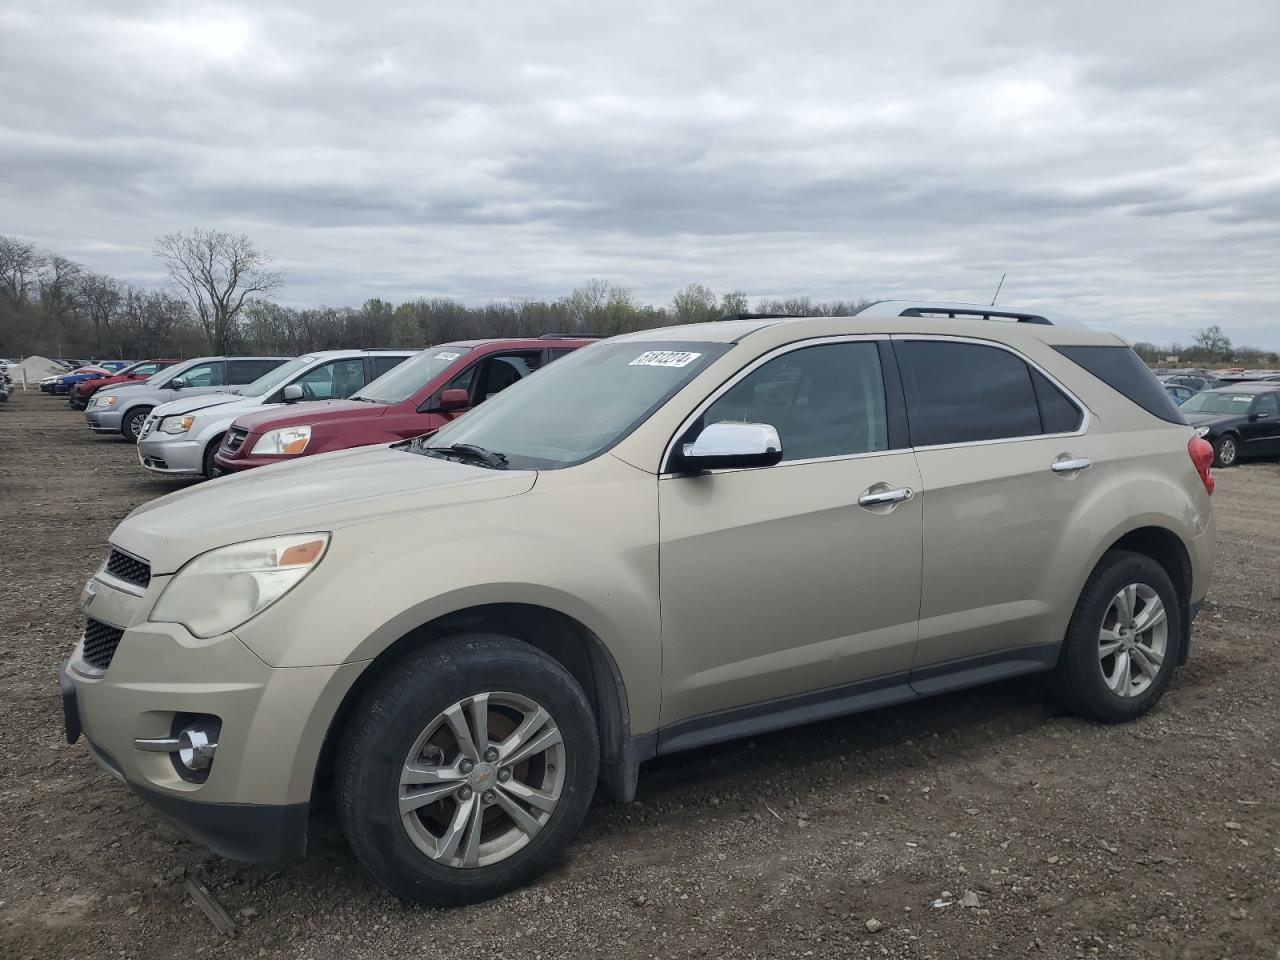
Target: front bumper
x=236, y=464
x=162, y=453
x=104, y=419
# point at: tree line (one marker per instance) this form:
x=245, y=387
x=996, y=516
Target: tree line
x=218, y=301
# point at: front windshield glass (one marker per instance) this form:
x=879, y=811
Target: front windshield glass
x=273, y=378
x=580, y=406
x=1214, y=402
x=165, y=374
x=405, y=379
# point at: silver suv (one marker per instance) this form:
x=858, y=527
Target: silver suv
x=181, y=437
x=124, y=409
x=662, y=541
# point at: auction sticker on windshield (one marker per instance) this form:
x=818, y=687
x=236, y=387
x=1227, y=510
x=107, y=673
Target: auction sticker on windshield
x=446, y=355
x=664, y=358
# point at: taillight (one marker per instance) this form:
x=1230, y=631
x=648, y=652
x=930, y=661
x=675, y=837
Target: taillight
x=1201, y=451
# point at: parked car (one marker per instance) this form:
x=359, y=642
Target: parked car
x=61, y=384
x=665, y=540
x=1241, y=420
x=181, y=437
x=142, y=370
x=1195, y=381
x=124, y=409
x=1179, y=393
x=6, y=384
x=417, y=398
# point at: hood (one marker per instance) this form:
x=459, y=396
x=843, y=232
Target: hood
x=193, y=404
x=318, y=493
x=315, y=413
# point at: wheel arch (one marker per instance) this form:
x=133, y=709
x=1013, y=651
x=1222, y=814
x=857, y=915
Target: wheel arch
x=1167, y=549
x=561, y=637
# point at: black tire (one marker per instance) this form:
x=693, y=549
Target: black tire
x=388, y=720
x=1226, y=450
x=1077, y=680
x=131, y=423
x=207, y=466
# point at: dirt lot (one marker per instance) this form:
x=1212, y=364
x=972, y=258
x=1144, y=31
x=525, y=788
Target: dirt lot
x=1156, y=839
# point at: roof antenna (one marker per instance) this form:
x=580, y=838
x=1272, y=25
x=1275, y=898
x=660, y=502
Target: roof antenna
x=998, y=286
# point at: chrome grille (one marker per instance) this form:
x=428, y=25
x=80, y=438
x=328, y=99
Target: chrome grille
x=100, y=642
x=130, y=569
x=235, y=438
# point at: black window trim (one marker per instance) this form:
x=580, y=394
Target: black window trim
x=890, y=381
x=1080, y=431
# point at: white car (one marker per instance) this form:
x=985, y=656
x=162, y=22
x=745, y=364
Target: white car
x=180, y=437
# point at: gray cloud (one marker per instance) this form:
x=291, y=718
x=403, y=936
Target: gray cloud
x=1120, y=162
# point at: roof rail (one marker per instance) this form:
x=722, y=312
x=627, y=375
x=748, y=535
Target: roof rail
x=756, y=316
x=572, y=336
x=906, y=307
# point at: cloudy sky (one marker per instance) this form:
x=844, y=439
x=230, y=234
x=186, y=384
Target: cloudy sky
x=1121, y=161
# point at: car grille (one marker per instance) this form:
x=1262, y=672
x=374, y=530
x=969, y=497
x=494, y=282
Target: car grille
x=100, y=642
x=147, y=426
x=129, y=569
x=235, y=438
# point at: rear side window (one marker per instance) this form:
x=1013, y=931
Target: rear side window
x=1121, y=369
x=247, y=371
x=382, y=364
x=963, y=392
x=1057, y=413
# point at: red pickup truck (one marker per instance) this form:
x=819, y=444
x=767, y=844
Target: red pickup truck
x=418, y=397
x=80, y=393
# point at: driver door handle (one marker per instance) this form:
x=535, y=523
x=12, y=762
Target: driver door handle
x=1070, y=464
x=880, y=498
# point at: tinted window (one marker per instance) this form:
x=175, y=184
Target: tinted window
x=1121, y=369
x=247, y=371
x=382, y=364
x=1057, y=413
x=502, y=370
x=1268, y=403
x=336, y=380
x=961, y=392
x=203, y=375
x=824, y=401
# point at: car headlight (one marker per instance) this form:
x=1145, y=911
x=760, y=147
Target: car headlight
x=1202, y=431
x=108, y=401
x=224, y=588
x=286, y=441
x=176, y=425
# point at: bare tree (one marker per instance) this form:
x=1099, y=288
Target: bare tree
x=1213, y=341
x=98, y=297
x=694, y=304
x=20, y=265
x=217, y=272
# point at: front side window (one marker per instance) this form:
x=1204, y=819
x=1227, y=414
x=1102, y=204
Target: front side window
x=203, y=375
x=333, y=381
x=825, y=400
x=964, y=392
x=504, y=369
x=1269, y=404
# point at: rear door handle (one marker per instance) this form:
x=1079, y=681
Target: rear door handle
x=1065, y=464
x=883, y=497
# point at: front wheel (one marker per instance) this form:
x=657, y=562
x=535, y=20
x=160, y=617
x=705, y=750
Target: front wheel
x=1123, y=641
x=131, y=425
x=466, y=769
x=1226, y=451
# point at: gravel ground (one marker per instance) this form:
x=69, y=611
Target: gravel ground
x=1156, y=839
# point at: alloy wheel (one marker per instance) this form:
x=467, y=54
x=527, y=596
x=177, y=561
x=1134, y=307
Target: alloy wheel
x=1133, y=639
x=135, y=424
x=1227, y=451
x=482, y=779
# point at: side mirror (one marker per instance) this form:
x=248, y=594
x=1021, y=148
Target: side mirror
x=1258, y=416
x=730, y=444
x=292, y=393
x=455, y=399
x=177, y=383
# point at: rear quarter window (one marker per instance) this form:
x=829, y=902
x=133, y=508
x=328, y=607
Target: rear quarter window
x=1123, y=371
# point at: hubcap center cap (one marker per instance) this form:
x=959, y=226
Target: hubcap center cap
x=483, y=776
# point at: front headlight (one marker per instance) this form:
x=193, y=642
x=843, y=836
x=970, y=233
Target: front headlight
x=1202, y=431
x=108, y=401
x=176, y=425
x=286, y=441
x=221, y=589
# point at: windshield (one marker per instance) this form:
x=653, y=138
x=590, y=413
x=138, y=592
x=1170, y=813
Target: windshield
x=580, y=406
x=165, y=374
x=1214, y=402
x=405, y=379
x=273, y=378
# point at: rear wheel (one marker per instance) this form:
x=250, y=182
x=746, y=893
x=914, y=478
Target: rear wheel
x=1226, y=450
x=1123, y=640
x=131, y=425
x=466, y=769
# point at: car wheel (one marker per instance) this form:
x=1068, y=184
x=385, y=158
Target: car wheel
x=1226, y=450
x=466, y=769
x=131, y=426
x=1123, y=640
x=208, y=467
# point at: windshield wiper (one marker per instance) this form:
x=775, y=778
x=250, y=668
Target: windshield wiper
x=471, y=451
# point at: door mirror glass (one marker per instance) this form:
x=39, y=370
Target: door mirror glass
x=731, y=444
x=177, y=383
x=292, y=393
x=454, y=399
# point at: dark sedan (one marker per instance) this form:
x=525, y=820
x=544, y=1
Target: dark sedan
x=1242, y=420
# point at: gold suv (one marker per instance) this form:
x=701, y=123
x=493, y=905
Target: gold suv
x=662, y=541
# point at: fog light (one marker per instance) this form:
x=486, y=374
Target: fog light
x=195, y=749
x=191, y=747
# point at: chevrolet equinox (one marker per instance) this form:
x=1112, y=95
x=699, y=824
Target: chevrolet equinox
x=663, y=541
